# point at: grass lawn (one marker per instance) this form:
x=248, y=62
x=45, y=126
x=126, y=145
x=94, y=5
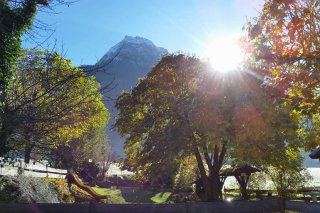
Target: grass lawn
x=134, y=195
x=161, y=197
x=115, y=195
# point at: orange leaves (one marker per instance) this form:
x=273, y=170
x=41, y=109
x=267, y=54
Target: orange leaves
x=209, y=118
x=290, y=30
x=296, y=24
x=255, y=31
x=248, y=123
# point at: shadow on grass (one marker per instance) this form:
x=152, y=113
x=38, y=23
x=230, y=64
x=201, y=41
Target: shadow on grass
x=144, y=195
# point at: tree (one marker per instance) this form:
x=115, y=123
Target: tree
x=91, y=146
x=89, y=156
x=284, y=45
x=186, y=174
x=16, y=17
x=288, y=174
x=50, y=103
x=184, y=108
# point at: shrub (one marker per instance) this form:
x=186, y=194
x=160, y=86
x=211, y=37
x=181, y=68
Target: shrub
x=64, y=194
x=187, y=174
x=23, y=189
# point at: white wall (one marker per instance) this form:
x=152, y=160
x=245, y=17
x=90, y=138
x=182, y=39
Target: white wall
x=34, y=169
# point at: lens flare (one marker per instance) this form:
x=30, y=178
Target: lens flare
x=224, y=53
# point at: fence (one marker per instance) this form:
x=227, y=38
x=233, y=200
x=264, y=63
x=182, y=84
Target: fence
x=234, y=206
x=17, y=166
x=298, y=206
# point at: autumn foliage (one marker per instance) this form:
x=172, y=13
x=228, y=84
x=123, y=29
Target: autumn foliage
x=283, y=43
x=184, y=108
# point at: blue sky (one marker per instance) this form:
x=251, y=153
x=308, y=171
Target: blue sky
x=88, y=28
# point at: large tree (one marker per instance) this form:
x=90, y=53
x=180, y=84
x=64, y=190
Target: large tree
x=16, y=17
x=284, y=43
x=184, y=108
x=49, y=103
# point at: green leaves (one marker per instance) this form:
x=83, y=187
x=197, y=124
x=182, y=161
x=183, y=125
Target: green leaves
x=13, y=23
x=153, y=115
x=52, y=101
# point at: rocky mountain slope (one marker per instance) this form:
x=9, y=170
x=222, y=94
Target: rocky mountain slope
x=120, y=68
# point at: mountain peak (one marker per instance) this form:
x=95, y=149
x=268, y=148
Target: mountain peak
x=137, y=40
x=131, y=45
x=119, y=69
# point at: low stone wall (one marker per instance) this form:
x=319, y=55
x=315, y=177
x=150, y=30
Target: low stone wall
x=234, y=206
x=301, y=206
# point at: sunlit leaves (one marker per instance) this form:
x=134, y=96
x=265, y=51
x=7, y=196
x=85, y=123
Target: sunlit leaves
x=53, y=101
x=153, y=115
x=182, y=106
x=285, y=45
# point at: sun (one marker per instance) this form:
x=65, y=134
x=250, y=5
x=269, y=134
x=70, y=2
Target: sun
x=224, y=53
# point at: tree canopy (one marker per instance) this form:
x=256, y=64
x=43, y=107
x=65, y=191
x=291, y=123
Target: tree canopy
x=45, y=102
x=284, y=45
x=16, y=17
x=50, y=102
x=184, y=108
x=75, y=154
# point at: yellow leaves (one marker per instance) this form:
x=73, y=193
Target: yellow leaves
x=187, y=173
x=291, y=30
x=65, y=103
x=193, y=84
x=275, y=72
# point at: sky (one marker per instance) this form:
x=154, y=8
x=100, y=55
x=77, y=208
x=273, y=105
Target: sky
x=87, y=29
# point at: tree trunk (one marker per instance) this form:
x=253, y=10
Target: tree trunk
x=244, y=192
x=5, y=128
x=27, y=154
x=216, y=185
x=217, y=161
x=211, y=184
x=205, y=180
x=282, y=194
x=243, y=182
x=28, y=148
x=3, y=140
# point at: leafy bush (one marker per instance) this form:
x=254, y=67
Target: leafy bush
x=23, y=189
x=186, y=175
x=64, y=194
x=259, y=181
x=80, y=196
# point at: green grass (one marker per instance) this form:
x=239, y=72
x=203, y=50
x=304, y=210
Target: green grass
x=161, y=197
x=142, y=195
x=115, y=196
x=134, y=195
